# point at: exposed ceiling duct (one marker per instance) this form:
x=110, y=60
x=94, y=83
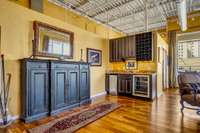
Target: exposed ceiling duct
x=128, y=16
x=182, y=14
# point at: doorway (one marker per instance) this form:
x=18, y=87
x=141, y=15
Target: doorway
x=165, y=81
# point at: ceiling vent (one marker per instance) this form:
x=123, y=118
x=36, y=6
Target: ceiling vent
x=36, y=5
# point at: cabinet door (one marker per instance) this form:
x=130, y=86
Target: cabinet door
x=73, y=80
x=131, y=47
x=107, y=88
x=121, y=85
x=123, y=49
x=120, y=47
x=60, y=89
x=111, y=50
x=114, y=49
x=129, y=86
x=125, y=85
x=39, y=91
x=116, y=52
x=84, y=82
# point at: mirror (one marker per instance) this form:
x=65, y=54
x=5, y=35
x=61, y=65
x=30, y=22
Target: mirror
x=50, y=41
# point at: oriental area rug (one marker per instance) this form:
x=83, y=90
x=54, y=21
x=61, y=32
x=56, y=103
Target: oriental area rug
x=74, y=121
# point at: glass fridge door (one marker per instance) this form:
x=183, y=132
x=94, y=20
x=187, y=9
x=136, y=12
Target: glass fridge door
x=141, y=85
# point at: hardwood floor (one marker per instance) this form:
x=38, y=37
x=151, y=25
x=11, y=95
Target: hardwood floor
x=135, y=116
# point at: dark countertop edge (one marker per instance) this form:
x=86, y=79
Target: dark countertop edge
x=114, y=73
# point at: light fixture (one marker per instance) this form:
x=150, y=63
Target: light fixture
x=182, y=14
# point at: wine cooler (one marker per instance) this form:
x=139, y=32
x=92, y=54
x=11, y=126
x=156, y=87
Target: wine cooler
x=141, y=86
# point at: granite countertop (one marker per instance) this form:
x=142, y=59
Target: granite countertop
x=131, y=72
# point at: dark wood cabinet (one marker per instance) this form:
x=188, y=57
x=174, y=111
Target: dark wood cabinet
x=73, y=83
x=39, y=91
x=84, y=83
x=122, y=48
x=50, y=87
x=130, y=48
x=138, y=46
x=35, y=77
x=144, y=46
x=125, y=84
x=59, y=89
x=135, y=85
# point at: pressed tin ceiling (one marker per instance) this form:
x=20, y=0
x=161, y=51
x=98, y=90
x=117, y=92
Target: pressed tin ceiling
x=128, y=16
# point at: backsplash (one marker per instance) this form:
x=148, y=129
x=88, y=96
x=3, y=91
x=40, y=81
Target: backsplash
x=148, y=66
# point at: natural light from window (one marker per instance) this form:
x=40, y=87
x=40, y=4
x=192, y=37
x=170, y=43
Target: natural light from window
x=188, y=55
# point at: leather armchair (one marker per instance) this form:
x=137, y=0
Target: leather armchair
x=189, y=87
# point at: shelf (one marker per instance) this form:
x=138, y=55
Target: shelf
x=144, y=46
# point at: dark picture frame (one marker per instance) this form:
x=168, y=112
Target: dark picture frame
x=94, y=57
x=36, y=42
x=131, y=64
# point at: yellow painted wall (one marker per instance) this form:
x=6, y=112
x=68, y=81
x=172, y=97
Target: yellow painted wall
x=16, y=43
x=162, y=44
x=65, y=15
x=149, y=66
x=193, y=22
x=24, y=3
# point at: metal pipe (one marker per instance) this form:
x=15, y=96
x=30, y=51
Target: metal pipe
x=182, y=14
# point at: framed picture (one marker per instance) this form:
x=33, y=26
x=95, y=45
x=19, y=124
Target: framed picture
x=50, y=41
x=131, y=64
x=94, y=57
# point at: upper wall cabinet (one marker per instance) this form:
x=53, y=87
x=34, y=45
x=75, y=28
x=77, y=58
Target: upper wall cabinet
x=122, y=48
x=144, y=47
x=50, y=41
x=139, y=46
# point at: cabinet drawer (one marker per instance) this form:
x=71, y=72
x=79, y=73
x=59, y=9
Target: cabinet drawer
x=31, y=65
x=73, y=66
x=64, y=65
x=84, y=67
x=125, y=76
x=58, y=65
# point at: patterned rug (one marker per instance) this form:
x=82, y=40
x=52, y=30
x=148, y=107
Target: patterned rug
x=74, y=121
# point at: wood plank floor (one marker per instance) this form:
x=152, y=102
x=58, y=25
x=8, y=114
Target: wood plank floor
x=135, y=116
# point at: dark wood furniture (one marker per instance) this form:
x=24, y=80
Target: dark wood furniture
x=49, y=87
x=189, y=88
x=126, y=85
x=122, y=48
x=137, y=46
x=144, y=46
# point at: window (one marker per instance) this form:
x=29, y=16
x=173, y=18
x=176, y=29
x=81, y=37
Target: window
x=188, y=54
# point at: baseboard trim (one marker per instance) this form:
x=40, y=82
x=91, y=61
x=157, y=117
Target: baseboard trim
x=98, y=95
x=13, y=118
x=160, y=94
